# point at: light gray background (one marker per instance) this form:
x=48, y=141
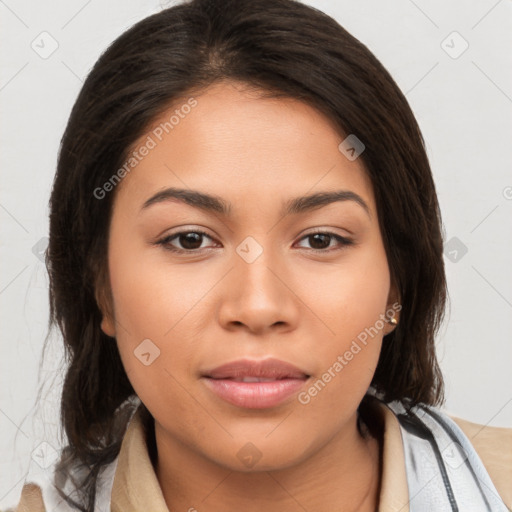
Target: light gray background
x=463, y=106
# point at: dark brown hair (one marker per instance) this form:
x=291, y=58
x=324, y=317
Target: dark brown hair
x=284, y=49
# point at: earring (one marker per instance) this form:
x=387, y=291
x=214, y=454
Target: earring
x=393, y=321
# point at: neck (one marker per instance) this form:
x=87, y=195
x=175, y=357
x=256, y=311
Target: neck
x=327, y=480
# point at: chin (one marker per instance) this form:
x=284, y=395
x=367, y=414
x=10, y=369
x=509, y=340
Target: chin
x=260, y=454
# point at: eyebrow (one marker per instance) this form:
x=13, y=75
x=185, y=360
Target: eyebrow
x=212, y=203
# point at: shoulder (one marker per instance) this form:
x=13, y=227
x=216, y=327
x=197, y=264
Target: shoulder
x=40, y=494
x=494, y=447
x=31, y=499
x=477, y=469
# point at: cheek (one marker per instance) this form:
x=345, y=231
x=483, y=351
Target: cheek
x=150, y=296
x=352, y=303
x=146, y=308
x=149, y=315
x=354, y=293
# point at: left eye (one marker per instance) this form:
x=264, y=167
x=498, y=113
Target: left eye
x=323, y=240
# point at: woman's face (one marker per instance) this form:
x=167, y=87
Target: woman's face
x=250, y=282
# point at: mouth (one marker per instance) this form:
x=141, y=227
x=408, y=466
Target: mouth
x=251, y=378
x=255, y=384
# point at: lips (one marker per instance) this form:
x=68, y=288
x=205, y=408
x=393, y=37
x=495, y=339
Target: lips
x=255, y=384
x=270, y=369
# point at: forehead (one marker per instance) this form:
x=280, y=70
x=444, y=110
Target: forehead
x=233, y=143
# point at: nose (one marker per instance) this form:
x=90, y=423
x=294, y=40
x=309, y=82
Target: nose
x=259, y=296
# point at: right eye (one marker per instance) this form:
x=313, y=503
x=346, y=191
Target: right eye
x=190, y=241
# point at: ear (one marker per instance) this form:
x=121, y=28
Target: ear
x=103, y=296
x=393, y=309
x=107, y=326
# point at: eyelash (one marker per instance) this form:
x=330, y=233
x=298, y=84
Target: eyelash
x=165, y=242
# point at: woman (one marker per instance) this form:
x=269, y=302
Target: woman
x=246, y=265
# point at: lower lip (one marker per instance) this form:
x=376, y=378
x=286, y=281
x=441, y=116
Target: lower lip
x=254, y=395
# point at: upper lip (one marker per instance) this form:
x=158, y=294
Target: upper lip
x=267, y=368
